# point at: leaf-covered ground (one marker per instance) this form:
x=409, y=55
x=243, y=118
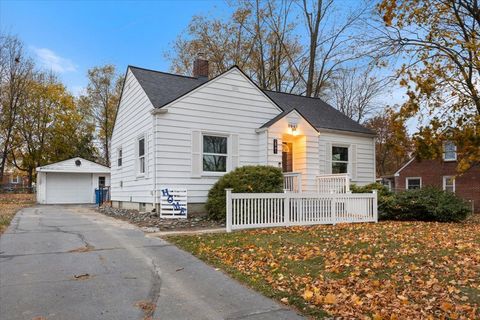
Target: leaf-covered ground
x=389, y=270
x=9, y=206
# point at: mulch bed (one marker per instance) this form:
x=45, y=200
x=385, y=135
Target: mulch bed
x=151, y=222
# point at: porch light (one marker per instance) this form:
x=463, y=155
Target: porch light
x=292, y=129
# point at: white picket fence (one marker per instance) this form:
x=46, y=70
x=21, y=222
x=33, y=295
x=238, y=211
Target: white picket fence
x=333, y=183
x=292, y=181
x=259, y=210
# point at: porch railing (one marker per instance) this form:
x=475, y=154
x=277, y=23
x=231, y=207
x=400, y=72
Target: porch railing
x=292, y=181
x=259, y=210
x=333, y=183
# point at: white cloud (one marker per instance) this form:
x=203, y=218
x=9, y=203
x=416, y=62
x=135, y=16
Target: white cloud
x=50, y=60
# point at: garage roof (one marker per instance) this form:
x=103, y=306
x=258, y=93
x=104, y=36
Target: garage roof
x=75, y=165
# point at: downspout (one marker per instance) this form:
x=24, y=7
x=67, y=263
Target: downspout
x=154, y=142
x=155, y=112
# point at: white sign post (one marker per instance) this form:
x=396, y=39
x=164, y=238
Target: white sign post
x=173, y=202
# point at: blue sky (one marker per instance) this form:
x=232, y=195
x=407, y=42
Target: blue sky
x=71, y=36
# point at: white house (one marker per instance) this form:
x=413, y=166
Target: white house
x=70, y=181
x=186, y=132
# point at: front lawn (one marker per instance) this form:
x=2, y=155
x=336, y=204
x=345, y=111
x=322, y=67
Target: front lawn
x=9, y=206
x=389, y=270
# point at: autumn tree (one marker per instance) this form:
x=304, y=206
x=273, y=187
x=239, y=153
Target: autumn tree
x=257, y=37
x=356, y=92
x=393, y=146
x=49, y=127
x=15, y=73
x=102, y=98
x=333, y=35
x=263, y=38
x=441, y=44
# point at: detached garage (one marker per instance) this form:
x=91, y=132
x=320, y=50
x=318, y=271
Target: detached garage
x=70, y=181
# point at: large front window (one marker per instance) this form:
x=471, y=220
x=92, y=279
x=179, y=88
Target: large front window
x=214, y=153
x=339, y=159
x=141, y=155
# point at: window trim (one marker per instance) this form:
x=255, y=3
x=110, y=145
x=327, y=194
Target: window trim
x=119, y=157
x=138, y=157
x=226, y=155
x=444, y=182
x=412, y=178
x=348, y=162
x=444, y=152
x=16, y=180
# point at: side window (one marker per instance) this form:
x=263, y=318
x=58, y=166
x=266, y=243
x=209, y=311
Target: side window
x=215, y=153
x=339, y=159
x=449, y=183
x=119, y=157
x=449, y=151
x=141, y=155
x=413, y=183
x=101, y=182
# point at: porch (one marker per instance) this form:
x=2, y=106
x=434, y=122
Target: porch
x=325, y=184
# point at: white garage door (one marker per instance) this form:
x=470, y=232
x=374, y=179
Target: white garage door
x=69, y=188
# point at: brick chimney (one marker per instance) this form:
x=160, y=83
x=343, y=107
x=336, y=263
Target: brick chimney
x=200, y=67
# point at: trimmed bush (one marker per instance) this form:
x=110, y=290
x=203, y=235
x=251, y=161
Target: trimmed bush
x=248, y=179
x=427, y=204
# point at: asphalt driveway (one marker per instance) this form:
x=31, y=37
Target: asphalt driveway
x=69, y=262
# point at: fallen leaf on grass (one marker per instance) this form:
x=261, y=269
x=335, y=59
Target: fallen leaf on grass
x=330, y=298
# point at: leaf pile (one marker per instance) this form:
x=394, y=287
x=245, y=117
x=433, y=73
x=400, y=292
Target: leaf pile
x=10, y=204
x=389, y=270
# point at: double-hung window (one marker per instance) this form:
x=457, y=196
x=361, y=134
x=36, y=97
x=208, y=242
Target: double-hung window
x=215, y=153
x=339, y=159
x=413, y=183
x=449, y=151
x=119, y=157
x=141, y=155
x=449, y=183
x=15, y=180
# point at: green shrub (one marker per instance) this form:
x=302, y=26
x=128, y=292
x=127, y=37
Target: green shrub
x=427, y=204
x=248, y=179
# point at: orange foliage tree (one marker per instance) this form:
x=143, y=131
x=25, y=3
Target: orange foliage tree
x=440, y=41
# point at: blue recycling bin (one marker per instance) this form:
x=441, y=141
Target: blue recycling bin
x=100, y=195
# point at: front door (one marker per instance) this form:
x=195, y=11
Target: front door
x=287, y=157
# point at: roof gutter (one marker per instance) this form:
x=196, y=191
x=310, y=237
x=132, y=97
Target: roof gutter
x=159, y=111
x=352, y=133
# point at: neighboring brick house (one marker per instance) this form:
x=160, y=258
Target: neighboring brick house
x=12, y=180
x=440, y=173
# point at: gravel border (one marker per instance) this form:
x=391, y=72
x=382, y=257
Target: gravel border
x=151, y=222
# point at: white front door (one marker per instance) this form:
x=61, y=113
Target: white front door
x=69, y=188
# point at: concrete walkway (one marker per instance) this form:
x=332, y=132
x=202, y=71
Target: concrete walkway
x=69, y=262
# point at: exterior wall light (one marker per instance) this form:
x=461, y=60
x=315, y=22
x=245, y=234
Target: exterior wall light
x=292, y=129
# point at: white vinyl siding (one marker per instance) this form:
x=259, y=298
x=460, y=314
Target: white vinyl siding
x=133, y=115
x=229, y=106
x=361, y=155
x=305, y=148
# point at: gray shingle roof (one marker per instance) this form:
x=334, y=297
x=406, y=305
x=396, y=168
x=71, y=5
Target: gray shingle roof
x=316, y=111
x=163, y=88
